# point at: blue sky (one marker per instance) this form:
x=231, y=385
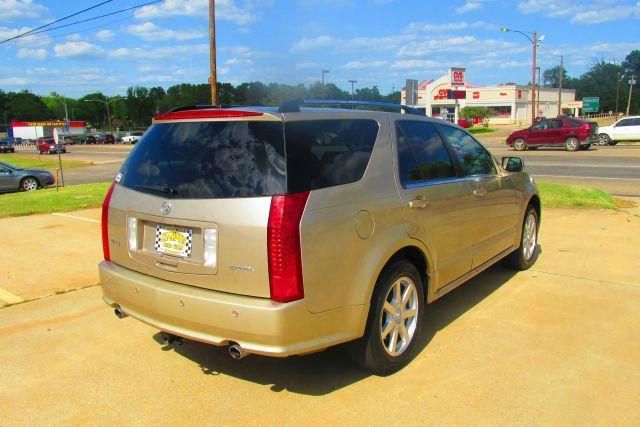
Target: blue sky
x=376, y=42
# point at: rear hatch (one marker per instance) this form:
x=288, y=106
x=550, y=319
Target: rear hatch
x=192, y=204
x=593, y=128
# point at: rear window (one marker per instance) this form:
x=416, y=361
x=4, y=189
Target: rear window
x=575, y=123
x=326, y=153
x=208, y=160
x=205, y=160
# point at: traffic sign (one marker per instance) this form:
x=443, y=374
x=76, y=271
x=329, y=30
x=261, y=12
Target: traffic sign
x=590, y=104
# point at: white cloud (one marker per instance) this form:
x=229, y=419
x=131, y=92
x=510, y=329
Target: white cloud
x=310, y=66
x=166, y=52
x=13, y=81
x=32, y=53
x=226, y=10
x=415, y=63
x=20, y=9
x=469, y=6
x=581, y=12
x=360, y=65
x=77, y=50
x=238, y=62
x=74, y=37
x=428, y=27
x=105, y=35
x=36, y=40
x=357, y=44
x=151, y=31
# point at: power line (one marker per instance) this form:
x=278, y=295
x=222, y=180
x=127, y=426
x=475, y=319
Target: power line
x=97, y=17
x=56, y=21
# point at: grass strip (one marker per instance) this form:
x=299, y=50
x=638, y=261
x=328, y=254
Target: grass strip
x=571, y=196
x=44, y=161
x=69, y=198
x=476, y=130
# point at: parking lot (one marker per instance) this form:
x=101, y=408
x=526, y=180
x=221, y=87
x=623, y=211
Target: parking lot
x=556, y=344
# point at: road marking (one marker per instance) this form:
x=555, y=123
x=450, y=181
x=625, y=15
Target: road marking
x=586, y=177
x=582, y=165
x=77, y=217
x=9, y=297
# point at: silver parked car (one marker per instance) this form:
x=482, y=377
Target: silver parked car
x=14, y=178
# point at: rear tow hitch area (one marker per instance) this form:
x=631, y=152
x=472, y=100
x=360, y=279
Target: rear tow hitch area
x=170, y=339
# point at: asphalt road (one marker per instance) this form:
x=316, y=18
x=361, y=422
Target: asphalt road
x=614, y=169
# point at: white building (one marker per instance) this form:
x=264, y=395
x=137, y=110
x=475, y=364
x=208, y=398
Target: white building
x=511, y=103
x=45, y=128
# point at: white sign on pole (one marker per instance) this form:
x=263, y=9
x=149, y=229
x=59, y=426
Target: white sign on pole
x=457, y=76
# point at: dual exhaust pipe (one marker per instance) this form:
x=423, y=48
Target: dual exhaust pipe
x=235, y=350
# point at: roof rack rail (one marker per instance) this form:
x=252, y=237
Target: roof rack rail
x=294, y=105
x=194, y=107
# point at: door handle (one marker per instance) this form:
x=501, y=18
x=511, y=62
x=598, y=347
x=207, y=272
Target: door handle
x=479, y=192
x=418, y=203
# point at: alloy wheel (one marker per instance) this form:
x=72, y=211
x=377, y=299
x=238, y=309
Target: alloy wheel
x=29, y=184
x=399, y=316
x=529, y=237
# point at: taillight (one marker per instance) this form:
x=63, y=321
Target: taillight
x=283, y=246
x=105, y=223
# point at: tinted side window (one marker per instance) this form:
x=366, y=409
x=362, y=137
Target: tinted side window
x=325, y=153
x=422, y=154
x=575, y=123
x=556, y=124
x=473, y=157
x=625, y=122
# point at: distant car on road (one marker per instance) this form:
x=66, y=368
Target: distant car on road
x=48, y=145
x=132, y=137
x=105, y=138
x=6, y=146
x=568, y=132
x=627, y=129
x=87, y=139
x=13, y=178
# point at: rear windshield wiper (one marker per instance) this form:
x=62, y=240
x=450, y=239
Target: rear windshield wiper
x=158, y=188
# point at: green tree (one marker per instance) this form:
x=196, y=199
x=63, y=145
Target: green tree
x=472, y=112
x=551, y=77
x=601, y=81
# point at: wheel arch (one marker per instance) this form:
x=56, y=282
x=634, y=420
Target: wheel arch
x=535, y=202
x=415, y=256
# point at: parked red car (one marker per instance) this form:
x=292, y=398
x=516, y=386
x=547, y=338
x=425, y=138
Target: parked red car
x=568, y=132
x=48, y=145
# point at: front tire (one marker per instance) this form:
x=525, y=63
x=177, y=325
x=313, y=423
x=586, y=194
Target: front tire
x=519, y=144
x=29, y=184
x=395, y=321
x=525, y=256
x=604, y=139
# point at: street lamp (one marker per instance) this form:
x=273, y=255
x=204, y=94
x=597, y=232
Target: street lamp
x=534, y=41
x=323, y=73
x=620, y=78
x=352, y=83
x=106, y=103
x=632, y=81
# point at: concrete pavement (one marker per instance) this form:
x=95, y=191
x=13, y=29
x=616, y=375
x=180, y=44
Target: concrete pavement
x=558, y=344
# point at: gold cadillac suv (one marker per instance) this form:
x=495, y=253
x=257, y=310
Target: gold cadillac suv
x=286, y=231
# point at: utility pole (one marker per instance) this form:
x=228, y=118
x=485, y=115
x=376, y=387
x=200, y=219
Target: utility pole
x=352, y=83
x=631, y=83
x=213, y=78
x=560, y=86
x=538, y=104
x=323, y=73
x=619, y=77
x=533, y=78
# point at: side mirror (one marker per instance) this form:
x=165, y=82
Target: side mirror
x=512, y=164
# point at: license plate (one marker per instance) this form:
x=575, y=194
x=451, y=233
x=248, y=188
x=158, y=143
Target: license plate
x=173, y=240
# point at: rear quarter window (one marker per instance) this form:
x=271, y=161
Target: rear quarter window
x=326, y=153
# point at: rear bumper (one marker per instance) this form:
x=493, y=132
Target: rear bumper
x=259, y=325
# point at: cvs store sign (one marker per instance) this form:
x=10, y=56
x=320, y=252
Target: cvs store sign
x=457, y=76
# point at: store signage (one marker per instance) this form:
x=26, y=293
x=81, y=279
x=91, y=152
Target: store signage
x=519, y=94
x=48, y=123
x=457, y=76
x=450, y=94
x=590, y=104
x=476, y=95
x=442, y=94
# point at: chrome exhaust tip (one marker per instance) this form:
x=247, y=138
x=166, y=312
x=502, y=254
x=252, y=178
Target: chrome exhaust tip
x=237, y=352
x=119, y=313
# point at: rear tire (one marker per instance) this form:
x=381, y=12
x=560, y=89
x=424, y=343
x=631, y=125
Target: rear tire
x=527, y=253
x=572, y=144
x=519, y=144
x=394, y=323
